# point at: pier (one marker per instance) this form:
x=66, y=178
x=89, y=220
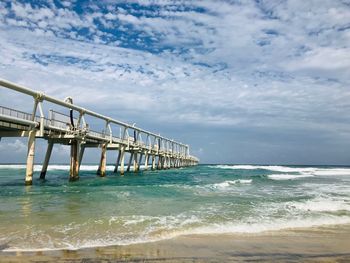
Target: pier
x=71, y=127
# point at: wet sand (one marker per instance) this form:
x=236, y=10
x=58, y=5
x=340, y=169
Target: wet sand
x=325, y=244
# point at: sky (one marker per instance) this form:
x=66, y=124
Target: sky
x=239, y=81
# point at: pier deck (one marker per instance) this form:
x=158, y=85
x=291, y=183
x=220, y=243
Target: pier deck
x=56, y=127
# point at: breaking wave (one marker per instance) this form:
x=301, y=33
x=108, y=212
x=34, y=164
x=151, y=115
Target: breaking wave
x=162, y=228
x=288, y=176
x=287, y=169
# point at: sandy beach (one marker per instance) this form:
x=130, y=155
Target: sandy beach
x=323, y=244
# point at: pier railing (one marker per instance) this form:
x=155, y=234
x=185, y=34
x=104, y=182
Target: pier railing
x=115, y=133
x=39, y=98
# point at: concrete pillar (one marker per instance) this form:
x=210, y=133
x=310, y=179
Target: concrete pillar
x=102, y=167
x=135, y=163
x=129, y=164
x=153, y=162
x=30, y=158
x=74, y=161
x=81, y=154
x=122, y=154
x=117, y=163
x=165, y=162
x=140, y=160
x=159, y=162
x=146, y=161
x=47, y=159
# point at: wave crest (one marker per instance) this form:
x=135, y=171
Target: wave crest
x=287, y=169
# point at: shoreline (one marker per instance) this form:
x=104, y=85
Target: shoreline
x=326, y=244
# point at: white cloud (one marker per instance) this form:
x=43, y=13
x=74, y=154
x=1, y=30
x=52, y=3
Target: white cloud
x=16, y=146
x=280, y=64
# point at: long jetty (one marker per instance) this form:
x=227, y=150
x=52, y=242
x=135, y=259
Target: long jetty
x=157, y=151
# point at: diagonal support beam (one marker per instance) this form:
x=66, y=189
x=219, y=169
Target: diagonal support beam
x=47, y=159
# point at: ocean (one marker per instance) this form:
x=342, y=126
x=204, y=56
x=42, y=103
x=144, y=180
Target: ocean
x=156, y=205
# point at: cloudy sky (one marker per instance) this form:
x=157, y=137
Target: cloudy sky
x=240, y=81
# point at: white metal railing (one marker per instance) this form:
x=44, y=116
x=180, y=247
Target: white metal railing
x=65, y=125
x=15, y=113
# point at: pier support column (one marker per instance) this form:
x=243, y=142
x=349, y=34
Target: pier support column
x=146, y=161
x=47, y=159
x=117, y=163
x=122, y=154
x=102, y=167
x=81, y=154
x=165, y=162
x=153, y=162
x=140, y=160
x=74, y=161
x=162, y=163
x=159, y=162
x=129, y=164
x=135, y=162
x=30, y=158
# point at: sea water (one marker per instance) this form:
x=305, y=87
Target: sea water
x=155, y=205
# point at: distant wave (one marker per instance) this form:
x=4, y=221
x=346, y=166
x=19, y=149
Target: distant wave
x=275, y=168
x=288, y=176
x=287, y=169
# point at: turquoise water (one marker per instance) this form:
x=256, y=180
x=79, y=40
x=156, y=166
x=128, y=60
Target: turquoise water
x=156, y=205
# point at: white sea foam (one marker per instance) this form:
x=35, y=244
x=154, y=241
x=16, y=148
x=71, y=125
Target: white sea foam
x=321, y=205
x=269, y=226
x=332, y=171
x=228, y=184
x=288, y=176
x=275, y=168
x=160, y=231
x=12, y=166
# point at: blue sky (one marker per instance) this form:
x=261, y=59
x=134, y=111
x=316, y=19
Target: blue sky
x=240, y=81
